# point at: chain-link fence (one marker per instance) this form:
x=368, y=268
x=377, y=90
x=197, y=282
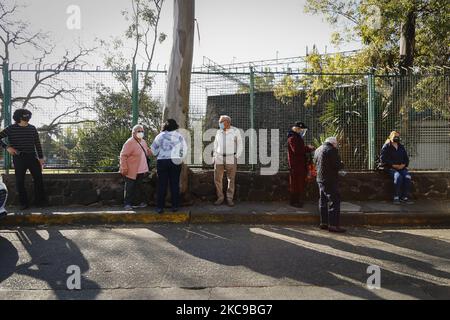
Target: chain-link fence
x=85, y=116
x=418, y=106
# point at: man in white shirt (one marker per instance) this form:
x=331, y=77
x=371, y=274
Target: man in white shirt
x=227, y=148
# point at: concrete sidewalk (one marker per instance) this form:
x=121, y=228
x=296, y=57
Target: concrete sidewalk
x=368, y=213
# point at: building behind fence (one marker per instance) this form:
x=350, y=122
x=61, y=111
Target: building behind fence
x=84, y=126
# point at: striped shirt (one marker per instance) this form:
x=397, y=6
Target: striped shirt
x=24, y=139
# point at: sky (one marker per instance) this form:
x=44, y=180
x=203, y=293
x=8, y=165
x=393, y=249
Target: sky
x=230, y=31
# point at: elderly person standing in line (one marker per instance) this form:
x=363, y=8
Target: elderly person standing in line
x=134, y=166
x=297, y=151
x=328, y=163
x=227, y=148
x=170, y=148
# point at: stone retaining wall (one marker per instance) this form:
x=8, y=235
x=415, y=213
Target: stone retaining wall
x=107, y=188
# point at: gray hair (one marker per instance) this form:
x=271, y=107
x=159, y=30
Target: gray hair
x=225, y=117
x=136, y=127
x=332, y=140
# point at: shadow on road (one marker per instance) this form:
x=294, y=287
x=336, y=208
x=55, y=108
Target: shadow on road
x=50, y=256
x=8, y=259
x=317, y=258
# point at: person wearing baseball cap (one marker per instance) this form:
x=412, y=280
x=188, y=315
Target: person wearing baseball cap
x=297, y=151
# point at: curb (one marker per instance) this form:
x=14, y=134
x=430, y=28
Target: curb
x=94, y=219
x=383, y=219
x=409, y=219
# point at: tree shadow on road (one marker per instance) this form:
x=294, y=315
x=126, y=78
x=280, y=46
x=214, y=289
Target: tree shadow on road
x=307, y=259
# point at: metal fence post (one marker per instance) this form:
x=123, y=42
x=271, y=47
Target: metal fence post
x=252, y=111
x=6, y=108
x=371, y=120
x=135, y=95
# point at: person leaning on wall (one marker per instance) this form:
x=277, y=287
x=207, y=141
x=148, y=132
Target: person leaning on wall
x=25, y=148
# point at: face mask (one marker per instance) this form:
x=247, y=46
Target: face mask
x=396, y=139
x=140, y=135
x=221, y=125
x=303, y=133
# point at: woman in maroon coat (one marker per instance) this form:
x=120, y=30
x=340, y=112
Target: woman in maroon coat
x=297, y=163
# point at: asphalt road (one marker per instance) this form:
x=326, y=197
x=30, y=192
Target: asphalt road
x=223, y=262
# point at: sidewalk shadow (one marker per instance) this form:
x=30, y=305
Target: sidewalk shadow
x=281, y=253
x=8, y=259
x=49, y=260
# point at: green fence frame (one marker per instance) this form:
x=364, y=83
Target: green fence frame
x=373, y=95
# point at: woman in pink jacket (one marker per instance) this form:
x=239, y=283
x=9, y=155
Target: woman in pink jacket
x=134, y=166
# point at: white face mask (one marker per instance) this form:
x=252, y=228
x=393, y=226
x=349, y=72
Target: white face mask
x=303, y=132
x=140, y=135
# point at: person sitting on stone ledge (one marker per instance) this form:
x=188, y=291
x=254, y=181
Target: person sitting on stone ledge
x=395, y=160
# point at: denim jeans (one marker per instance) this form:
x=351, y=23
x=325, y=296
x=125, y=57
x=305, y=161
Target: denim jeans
x=329, y=203
x=402, y=182
x=168, y=174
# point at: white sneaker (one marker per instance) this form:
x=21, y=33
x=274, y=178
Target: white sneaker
x=141, y=205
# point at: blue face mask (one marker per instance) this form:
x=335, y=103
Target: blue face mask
x=221, y=125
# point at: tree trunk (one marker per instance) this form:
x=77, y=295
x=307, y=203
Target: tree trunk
x=402, y=84
x=179, y=75
x=407, y=41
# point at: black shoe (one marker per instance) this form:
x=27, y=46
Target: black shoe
x=174, y=209
x=336, y=229
x=159, y=210
x=323, y=226
x=24, y=207
x=44, y=204
x=406, y=200
x=298, y=204
x=3, y=214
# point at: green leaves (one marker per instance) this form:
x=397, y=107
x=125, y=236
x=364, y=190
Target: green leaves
x=376, y=24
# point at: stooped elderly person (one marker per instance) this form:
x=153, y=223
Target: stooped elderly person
x=133, y=167
x=328, y=164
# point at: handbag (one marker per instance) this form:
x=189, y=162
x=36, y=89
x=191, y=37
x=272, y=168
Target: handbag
x=145, y=154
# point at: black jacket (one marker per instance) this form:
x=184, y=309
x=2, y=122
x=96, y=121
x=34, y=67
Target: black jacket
x=390, y=155
x=328, y=163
